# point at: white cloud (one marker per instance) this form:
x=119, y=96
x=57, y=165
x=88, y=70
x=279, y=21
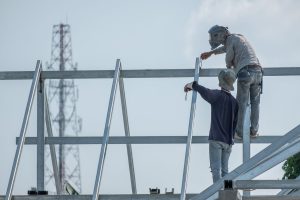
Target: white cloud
x=271, y=27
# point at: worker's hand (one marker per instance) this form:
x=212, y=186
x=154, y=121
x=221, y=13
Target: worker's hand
x=188, y=87
x=205, y=55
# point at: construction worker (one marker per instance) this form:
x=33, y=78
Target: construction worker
x=224, y=111
x=240, y=56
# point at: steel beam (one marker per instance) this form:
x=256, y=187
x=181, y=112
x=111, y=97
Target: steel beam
x=106, y=130
x=290, y=136
x=140, y=140
x=190, y=134
x=52, y=148
x=266, y=184
x=272, y=160
x=40, y=137
x=287, y=191
x=18, y=153
x=102, y=197
x=143, y=73
x=246, y=139
x=127, y=134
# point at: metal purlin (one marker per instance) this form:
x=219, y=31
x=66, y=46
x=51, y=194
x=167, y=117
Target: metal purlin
x=106, y=130
x=18, y=153
x=198, y=65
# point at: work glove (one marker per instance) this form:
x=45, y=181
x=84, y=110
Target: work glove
x=188, y=87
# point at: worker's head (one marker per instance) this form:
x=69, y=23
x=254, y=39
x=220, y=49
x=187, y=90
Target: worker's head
x=217, y=35
x=227, y=79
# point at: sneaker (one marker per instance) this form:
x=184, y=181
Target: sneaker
x=238, y=137
x=253, y=134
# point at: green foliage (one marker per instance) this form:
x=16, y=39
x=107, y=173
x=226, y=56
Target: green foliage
x=291, y=167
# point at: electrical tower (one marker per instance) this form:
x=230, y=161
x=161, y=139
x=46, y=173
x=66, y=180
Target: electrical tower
x=62, y=97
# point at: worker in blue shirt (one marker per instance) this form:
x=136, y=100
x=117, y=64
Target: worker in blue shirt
x=224, y=115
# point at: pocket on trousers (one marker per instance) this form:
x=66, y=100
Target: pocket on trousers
x=244, y=76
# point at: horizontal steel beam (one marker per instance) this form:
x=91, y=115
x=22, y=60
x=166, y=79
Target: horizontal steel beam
x=266, y=184
x=271, y=197
x=139, y=140
x=143, y=73
x=102, y=197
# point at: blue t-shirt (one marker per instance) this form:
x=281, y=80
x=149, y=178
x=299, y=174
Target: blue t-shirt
x=224, y=111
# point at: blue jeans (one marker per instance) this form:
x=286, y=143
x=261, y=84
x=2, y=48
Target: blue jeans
x=249, y=84
x=219, y=153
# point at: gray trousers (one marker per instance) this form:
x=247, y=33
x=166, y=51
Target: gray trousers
x=249, y=84
x=219, y=153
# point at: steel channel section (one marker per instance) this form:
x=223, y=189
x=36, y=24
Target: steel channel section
x=106, y=130
x=266, y=184
x=246, y=135
x=139, y=140
x=286, y=191
x=273, y=160
x=190, y=134
x=40, y=137
x=17, y=157
x=143, y=73
x=52, y=148
x=246, y=140
x=290, y=136
x=127, y=134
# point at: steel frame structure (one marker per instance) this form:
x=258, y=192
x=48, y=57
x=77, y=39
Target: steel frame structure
x=276, y=152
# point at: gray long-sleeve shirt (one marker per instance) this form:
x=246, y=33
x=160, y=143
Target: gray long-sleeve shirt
x=239, y=52
x=224, y=111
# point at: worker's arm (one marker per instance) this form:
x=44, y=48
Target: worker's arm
x=208, y=95
x=216, y=51
x=229, y=55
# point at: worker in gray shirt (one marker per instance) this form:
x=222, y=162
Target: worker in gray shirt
x=240, y=56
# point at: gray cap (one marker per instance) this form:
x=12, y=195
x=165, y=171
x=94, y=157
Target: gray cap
x=226, y=79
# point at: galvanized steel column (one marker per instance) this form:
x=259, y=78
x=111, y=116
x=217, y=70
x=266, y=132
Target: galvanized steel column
x=127, y=134
x=52, y=148
x=15, y=166
x=190, y=134
x=106, y=130
x=246, y=139
x=40, y=137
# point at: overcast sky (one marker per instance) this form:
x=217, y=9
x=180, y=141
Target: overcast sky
x=144, y=35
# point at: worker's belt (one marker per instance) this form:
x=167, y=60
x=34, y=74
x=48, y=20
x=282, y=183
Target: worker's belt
x=252, y=68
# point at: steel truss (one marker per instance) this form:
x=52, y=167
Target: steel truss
x=276, y=152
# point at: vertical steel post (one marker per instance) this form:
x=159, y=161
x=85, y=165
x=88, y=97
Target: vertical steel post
x=40, y=136
x=190, y=134
x=246, y=139
x=15, y=166
x=127, y=134
x=52, y=148
x=106, y=130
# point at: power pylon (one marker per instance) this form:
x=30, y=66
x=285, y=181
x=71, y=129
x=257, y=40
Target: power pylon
x=62, y=97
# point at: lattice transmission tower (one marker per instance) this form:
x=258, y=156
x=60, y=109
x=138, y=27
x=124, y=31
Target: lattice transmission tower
x=62, y=97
